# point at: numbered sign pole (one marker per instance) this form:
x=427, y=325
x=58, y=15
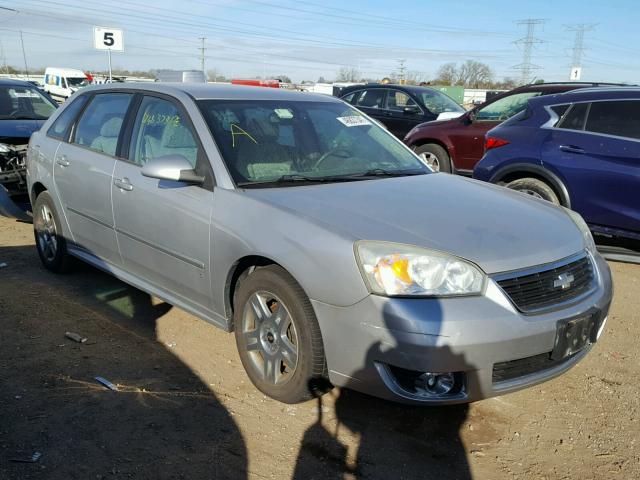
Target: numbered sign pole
x=109, y=39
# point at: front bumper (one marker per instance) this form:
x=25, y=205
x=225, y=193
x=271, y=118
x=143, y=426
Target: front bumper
x=363, y=342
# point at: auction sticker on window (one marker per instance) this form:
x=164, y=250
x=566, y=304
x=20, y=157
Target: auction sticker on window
x=354, y=121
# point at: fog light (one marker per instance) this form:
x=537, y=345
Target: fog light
x=434, y=384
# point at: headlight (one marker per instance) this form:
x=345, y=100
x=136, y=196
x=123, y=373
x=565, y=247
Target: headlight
x=584, y=228
x=4, y=148
x=396, y=269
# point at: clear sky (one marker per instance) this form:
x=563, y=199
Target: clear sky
x=309, y=39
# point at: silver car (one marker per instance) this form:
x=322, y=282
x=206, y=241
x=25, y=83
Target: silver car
x=329, y=249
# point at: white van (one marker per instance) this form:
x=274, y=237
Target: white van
x=61, y=83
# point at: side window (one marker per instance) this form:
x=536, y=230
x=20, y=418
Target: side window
x=560, y=110
x=397, y=100
x=620, y=118
x=574, y=118
x=350, y=98
x=160, y=129
x=62, y=125
x=373, y=98
x=100, y=124
x=506, y=107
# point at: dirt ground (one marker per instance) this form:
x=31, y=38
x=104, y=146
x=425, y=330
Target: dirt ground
x=186, y=410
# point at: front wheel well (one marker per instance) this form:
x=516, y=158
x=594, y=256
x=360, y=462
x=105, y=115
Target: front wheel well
x=36, y=190
x=426, y=141
x=240, y=270
x=518, y=174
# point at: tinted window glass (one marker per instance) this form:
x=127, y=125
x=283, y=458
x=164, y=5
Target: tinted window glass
x=574, y=118
x=351, y=97
x=373, y=98
x=261, y=141
x=560, y=110
x=62, y=125
x=397, y=100
x=101, y=122
x=160, y=130
x=506, y=107
x=621, y=118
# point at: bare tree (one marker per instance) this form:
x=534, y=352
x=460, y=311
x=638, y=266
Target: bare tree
x=447, y=74
x=348, y=74
x=474, y=74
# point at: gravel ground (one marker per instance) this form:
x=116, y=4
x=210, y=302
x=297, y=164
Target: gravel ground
x=185, y=408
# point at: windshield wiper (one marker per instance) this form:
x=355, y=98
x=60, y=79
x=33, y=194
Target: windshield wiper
x=296, y=178
x=381, y=172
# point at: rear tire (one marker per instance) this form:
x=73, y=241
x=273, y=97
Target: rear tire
x=536, y=188
x=435, y=156
x=47, y=229
x=278, y=336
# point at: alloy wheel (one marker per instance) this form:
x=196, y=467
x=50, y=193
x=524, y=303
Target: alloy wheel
x=270, y=337
x=46, y=233
x=431, y=160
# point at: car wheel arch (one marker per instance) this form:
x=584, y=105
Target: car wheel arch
x=36, y=189
x=521, y=170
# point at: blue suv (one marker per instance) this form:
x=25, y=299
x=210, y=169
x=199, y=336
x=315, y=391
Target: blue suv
x=579, y=149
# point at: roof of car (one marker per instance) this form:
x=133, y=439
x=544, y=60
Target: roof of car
x=204, y=91
x=587, y=94
x=15, y=83
x=412, y=88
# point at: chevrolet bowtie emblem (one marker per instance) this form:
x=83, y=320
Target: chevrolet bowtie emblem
x=563, y=281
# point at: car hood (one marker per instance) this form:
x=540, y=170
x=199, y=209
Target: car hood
x=18, y=132
x=498, y=229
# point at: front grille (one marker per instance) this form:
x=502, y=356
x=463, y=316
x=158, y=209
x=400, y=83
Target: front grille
x=536, y=291
x=525, y=366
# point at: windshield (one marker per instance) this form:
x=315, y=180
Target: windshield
x=282, y=141
x=506, y=107
x=77, y=81
x=24, y=103
x=438, y=102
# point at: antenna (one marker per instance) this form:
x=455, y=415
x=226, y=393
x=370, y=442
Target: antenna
x=528, y=42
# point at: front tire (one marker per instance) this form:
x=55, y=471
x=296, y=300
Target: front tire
x=278, y=336
x=47, y=229
x=536, y=188
x=435, y=156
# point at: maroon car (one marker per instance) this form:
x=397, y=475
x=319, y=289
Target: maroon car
x=456, y=145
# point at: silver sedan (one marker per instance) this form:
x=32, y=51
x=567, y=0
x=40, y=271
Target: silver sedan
x=335, y=255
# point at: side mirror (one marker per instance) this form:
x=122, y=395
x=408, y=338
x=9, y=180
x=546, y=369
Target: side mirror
x=411, y=109
x=471, y=116
x=172, y=167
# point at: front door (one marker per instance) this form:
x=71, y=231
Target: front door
x=402, y=113
x=162, y=226
x=83, y=170
x=599, y=161
x=372, y=102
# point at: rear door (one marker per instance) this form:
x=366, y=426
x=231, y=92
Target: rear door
x=372, y=102
x=83, y=170
x=595, y=148
x=162, y=226
x=402, y=113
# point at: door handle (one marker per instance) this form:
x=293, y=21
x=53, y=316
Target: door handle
x=571, y=149
x=123, y=184
x=62, y=161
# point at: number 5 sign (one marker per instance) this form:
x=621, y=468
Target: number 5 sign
x=105, y=38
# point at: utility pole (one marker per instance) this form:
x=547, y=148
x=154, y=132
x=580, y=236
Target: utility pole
x=528, y=42
x=202, y=39
x=24, y=55
x=578, y=48
x=401, y=72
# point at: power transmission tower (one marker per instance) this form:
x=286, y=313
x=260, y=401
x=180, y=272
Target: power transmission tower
x=401, y=72
x=528, y=42
x=202, y=57
x=578, y=48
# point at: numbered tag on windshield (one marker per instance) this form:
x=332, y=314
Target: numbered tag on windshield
x=354, y=121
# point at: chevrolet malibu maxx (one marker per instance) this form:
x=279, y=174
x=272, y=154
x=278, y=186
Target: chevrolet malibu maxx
x=334, y=254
